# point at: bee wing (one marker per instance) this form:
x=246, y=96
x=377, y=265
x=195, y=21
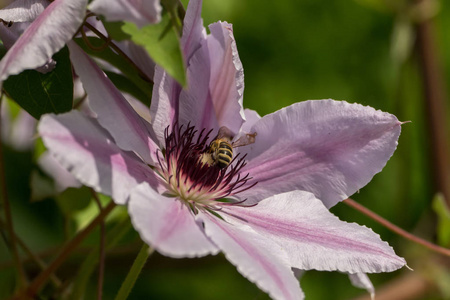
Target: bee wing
x=246, y=139
x=224, y=132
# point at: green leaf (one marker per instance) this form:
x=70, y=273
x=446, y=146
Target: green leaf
x=39, y=93
x=132, y=276
x=141, y=88
x=443, y=228
x=163, y=45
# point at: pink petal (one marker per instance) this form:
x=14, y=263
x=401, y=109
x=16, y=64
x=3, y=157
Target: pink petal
x=216, y=83
x=87, y=151
x=23, y=10
x=45, y=36
x=330, y=148
x=316, y=239
x=9, y=36
x=193, y=31
x=361, y=280
x=113, y=111
x=140, y=12
x=227, y=76
x=196, y=106
x=167, y=224
x=256, y=257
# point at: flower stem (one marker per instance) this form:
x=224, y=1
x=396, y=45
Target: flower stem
x=132, y=276
x=21, y=278
x=396, y=229
x=101, y=265
x=37, y=283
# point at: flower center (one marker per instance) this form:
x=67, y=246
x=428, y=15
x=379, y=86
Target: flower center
x=190, y=174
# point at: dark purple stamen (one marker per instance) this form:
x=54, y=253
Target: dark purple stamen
x=185, y=151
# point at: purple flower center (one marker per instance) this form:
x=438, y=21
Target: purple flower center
x=189, y=178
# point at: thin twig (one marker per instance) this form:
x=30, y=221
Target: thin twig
x=101, y=259
x=22, y=280
x=37, y=283
x=396, y=229
x=86, y=40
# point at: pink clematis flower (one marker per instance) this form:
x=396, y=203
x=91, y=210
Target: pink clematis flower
x=267, y=210
x=49, y=26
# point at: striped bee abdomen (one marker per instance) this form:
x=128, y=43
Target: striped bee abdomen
x=224, y=155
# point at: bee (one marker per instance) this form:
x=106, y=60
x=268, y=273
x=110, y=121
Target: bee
x=220, y=150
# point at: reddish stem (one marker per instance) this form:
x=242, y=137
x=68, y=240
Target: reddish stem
x=396, y=229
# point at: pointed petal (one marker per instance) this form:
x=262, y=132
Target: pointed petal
x=316, y=239
x=167, y=224
x=361, y=280
x=193, y=31
x=330, y=148
x=113, y=111
x=257, y=258
x=46, y=35
x=23, y=10
x=139, y=12
x=196, y=106
x=87, y=151
x=227, y=76
x=216, y=83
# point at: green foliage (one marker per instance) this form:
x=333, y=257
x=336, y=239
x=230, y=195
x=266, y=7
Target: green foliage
x=39, y=93
x=443, y=227
x=163, y=45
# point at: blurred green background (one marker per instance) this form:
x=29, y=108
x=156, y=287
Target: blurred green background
x=292, y=50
